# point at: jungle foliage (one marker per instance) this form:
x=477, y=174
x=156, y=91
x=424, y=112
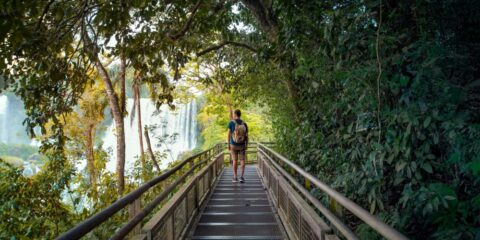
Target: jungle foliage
x=25, y=152
x=383, y=104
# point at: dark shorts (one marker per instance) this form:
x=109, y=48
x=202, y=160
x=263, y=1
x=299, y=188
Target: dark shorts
x=238, y=152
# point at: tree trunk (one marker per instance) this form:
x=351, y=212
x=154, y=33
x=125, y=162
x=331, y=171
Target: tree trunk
x=136, y=90
x=91, y=160
x=121, y=78
x=119, y=126
x=263, y=12
x=150, y=151
x=293, y=91
x=115, y=106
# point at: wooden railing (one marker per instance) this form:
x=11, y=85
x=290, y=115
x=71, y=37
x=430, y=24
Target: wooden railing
x=297, y=207
x=199, y=171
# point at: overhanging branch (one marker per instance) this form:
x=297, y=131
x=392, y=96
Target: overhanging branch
x=216, y=47
x=187, y=24
x=45, y=11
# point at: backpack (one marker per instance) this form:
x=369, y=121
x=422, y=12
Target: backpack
x=240, y=133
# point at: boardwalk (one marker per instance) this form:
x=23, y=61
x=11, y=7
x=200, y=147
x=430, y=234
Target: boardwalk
x=202, y=203
x=239, y=210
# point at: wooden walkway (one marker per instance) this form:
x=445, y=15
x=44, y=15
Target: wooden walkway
x=201, y=202
x=239, y=210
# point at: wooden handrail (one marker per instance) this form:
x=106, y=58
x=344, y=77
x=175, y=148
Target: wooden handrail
x=382, y=228
x=91, y=223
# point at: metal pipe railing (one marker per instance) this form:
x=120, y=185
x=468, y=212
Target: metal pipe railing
x=91, y=223
x=382, y=228
x=201, y=184
x=121, y=233
x=340, y=226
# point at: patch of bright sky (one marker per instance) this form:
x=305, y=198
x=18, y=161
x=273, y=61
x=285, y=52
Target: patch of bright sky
x=240, y=26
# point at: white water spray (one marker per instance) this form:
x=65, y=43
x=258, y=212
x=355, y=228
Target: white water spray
x=3, y=119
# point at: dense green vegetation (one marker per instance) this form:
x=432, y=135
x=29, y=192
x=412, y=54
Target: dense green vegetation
x=383, y=105
x=380, y=99
x=24, y=152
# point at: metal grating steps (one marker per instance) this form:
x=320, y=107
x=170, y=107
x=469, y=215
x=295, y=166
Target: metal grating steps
x=238, y=210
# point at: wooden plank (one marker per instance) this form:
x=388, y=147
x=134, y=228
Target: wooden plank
x=226, y=219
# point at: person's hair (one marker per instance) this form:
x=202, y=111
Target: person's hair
x=237, y=112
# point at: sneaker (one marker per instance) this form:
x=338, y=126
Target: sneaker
x=235, y=179
x=242, y=180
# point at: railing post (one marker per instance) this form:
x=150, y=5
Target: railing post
x=192, y=163
x=214, y=169
x=308, y=184
x=196, y=200
x=133, y=209
x=171, y=226
x=293, y=172
x=335, y=207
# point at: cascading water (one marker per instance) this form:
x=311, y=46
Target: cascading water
x=3, y=119
x=12, y=114
x=181, y=121
x=12, y=132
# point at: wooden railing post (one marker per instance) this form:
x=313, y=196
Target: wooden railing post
x=133, y=209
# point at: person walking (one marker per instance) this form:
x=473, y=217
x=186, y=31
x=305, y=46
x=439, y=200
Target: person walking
x=237, y=142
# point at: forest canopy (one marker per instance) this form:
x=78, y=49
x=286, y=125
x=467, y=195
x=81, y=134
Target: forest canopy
x=380, y=99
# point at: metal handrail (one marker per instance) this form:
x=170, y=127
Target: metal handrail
x=178, y=215
x=91, y=223
x=120, y=234
x=382, y=228
x=340, y=226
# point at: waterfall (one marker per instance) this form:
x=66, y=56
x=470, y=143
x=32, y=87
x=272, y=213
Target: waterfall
x=194, y=128
x=3, y=118
x=12, y=114
x=181, y=121
x=189, y=123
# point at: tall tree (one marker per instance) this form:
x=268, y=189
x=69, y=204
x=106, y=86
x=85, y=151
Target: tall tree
x=115, y=103
x=137, y=110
